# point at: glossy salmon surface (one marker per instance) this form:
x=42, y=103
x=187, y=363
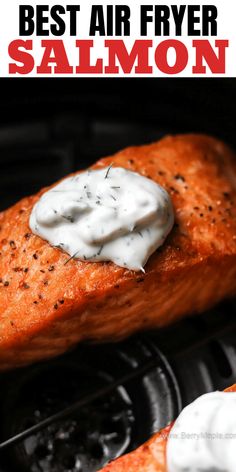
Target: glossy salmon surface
x=150, y=457
x=48, y=305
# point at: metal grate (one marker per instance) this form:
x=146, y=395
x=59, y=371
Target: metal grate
x=85, y=408
x=81, y=410
x=77, y=412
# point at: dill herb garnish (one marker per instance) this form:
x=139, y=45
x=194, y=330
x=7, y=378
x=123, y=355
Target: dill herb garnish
x=72, y=257
x=108, y=170
x=68, y=218
x=59, y=245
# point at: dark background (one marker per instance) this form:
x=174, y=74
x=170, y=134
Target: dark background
x=49, y=127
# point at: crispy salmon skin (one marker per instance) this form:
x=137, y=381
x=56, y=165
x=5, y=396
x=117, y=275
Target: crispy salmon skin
x=150, y=457
x=47, y=306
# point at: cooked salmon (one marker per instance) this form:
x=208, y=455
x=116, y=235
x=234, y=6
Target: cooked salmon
x=150, y=457
x=47, y=306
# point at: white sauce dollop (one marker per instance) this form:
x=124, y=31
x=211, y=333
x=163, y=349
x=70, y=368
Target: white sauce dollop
x=110, y=214
x=203, y=439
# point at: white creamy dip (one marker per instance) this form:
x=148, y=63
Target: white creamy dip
x=110, y=214
x=203, y=439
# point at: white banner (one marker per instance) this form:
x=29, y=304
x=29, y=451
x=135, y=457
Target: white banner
x=137, y=38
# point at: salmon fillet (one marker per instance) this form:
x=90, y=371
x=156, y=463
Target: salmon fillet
x=150, y=457
x=47, y=306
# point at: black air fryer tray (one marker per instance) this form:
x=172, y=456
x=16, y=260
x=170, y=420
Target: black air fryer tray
x=48, y=129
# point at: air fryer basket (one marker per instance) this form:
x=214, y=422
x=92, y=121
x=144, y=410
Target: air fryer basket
x=97, y=402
